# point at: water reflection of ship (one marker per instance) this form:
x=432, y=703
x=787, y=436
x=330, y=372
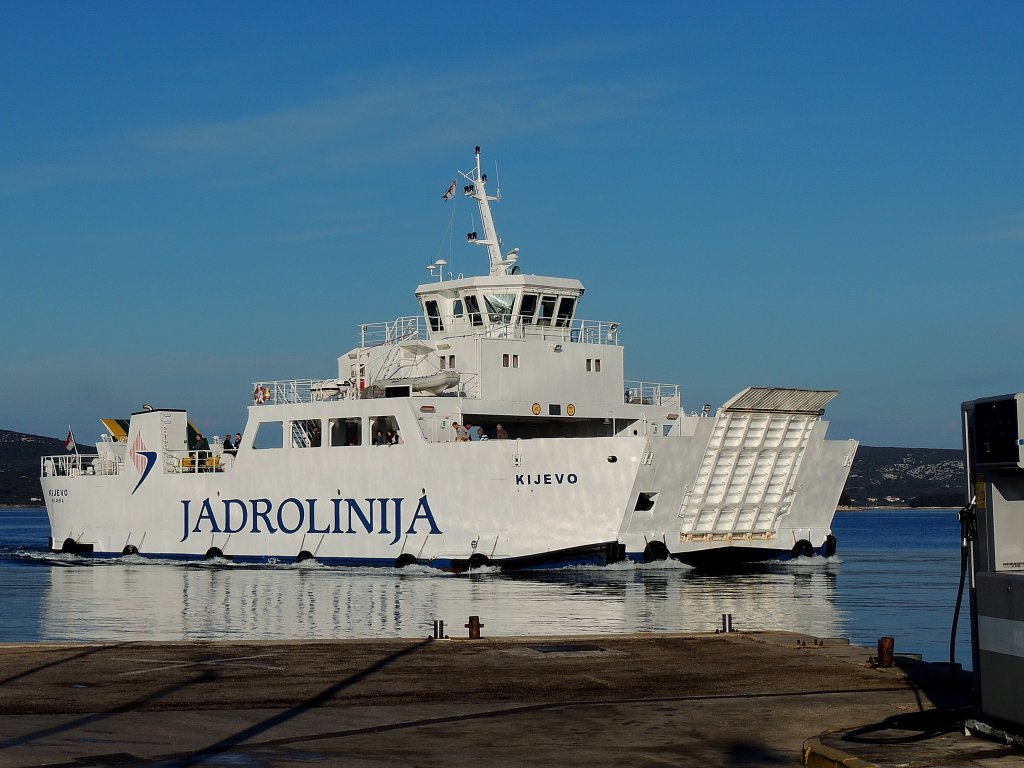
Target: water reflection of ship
x=171, y=601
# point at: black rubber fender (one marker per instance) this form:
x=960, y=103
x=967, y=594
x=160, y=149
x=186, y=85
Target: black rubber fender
x=831, y=545
x=303, y=556
x=478, y=560
x=802, y=548
x=404, y=560
x=130, y=549
x=655, y=550
x=69, y=547
x=213, y=552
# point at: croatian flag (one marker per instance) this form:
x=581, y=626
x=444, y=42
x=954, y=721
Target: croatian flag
x=69, y=443
x=451, y=190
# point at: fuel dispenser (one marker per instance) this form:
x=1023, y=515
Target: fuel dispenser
x=994, y=450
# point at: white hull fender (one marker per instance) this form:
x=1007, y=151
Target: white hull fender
x=569, y=461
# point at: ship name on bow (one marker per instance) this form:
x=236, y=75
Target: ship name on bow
x=294, y=515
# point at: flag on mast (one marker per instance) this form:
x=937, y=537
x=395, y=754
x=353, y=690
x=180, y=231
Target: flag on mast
x=70, y=443
x=451, y=190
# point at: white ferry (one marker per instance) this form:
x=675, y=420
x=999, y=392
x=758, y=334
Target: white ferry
x=569, y=462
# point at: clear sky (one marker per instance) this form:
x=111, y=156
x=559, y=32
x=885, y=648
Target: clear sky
x=194, y=196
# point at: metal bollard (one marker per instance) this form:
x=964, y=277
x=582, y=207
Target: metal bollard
x=885, y=651
x=438, y=629
x=474, y=626
x=727, y=622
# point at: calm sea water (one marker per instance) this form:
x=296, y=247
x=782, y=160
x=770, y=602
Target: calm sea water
x=896, y=574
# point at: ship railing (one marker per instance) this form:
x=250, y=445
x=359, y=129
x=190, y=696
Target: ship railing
x=561, y=330
x=185, y=462
x=575, y=332
x=649, y=393
x=401, y=329
x=78, y=464
x=289, y=391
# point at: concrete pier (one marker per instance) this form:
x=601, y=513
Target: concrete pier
x=731, y=699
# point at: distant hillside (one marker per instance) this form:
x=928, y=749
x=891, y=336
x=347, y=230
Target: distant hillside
x=916, y=477
x=19, y=465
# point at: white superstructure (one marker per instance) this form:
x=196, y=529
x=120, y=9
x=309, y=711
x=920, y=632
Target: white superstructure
x=367, y=467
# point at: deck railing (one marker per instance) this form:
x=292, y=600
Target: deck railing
x=286, y=391
x=415, y=327
x=77, y=464
x=649, y=393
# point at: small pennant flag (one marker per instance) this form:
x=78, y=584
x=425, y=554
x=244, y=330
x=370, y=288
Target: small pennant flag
x=70, y=444
x=451, y=190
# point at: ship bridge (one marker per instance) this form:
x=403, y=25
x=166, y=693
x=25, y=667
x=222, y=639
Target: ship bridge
x=498, y=306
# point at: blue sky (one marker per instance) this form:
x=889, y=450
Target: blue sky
x=194, y=196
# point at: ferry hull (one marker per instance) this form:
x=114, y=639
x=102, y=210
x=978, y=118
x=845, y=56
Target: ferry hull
x=450, y=506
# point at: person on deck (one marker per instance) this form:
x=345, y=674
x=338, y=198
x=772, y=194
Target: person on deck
x=202, y=450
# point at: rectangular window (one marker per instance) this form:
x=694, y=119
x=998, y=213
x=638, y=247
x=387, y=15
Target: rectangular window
x=306, y=433
x=515, y=361
x=457, y=308
x=547, y=310
x=346, y=431
x=444, y=362
x=527, y=308
x=451, y=362
x=505, y=360
x=565, y=310
x=589, y=367
x=384, y=430
x=269, y=434
x=597, y=365
x=473, y=308
x=433, y=315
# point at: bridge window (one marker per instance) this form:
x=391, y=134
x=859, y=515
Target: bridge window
x=509, y=361
x=457, y=308
x=565, y=310
x=346, y=431
x=527, y=308
x=547, y=310
x=499, y=306
x=433, y=315
x=269, y=434
x=473, y=308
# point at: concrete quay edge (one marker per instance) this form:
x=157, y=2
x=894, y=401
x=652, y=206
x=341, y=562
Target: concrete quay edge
x=724, y=682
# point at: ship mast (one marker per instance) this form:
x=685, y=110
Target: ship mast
x=477, y=189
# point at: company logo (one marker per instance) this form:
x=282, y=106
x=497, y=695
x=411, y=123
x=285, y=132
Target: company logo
x=143, y=460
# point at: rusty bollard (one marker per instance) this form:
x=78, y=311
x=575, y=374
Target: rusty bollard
x=474, y=627
x=885, y=651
